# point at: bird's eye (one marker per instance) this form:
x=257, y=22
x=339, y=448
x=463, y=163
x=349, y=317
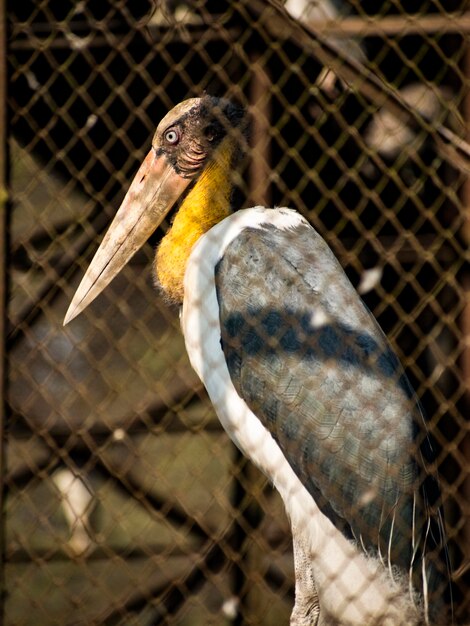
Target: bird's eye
x=172, y=136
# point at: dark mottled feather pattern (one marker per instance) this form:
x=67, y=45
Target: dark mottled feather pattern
x=312, y=363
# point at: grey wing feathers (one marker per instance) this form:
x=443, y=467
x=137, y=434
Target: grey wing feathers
x=312, y=363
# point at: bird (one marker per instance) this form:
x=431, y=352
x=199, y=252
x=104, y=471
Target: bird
x=298, y=370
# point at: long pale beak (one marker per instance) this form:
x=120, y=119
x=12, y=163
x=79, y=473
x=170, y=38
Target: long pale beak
x=154, y=190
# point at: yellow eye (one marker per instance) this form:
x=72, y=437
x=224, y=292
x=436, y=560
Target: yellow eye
x=171, y=136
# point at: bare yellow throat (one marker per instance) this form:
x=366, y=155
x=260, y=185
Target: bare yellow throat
x=206, y=204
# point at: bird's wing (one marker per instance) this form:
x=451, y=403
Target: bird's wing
x=312, y=363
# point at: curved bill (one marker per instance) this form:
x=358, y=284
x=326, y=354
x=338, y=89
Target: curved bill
x=154, y=190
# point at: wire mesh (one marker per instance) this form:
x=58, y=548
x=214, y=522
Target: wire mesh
x=126, y=501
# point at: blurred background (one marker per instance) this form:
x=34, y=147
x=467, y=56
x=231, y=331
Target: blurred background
x=124, y=502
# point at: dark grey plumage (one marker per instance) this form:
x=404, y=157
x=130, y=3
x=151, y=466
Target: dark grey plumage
x=312, y=363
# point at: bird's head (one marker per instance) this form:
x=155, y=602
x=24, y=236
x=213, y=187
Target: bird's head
x=189, y=165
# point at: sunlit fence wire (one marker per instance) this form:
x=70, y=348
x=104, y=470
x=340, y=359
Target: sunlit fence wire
x=125, y=501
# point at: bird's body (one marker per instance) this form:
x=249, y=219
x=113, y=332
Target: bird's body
x=306, y=385
x=299, y=373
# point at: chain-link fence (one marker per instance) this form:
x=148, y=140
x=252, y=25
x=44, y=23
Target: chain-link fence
x=125, y=501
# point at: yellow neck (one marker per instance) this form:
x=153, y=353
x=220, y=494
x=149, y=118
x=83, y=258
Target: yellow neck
x=207, y=203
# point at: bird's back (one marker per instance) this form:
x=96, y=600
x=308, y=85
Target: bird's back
x=312, y=363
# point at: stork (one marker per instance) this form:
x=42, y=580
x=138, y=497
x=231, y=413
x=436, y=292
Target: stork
x=299, y=372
